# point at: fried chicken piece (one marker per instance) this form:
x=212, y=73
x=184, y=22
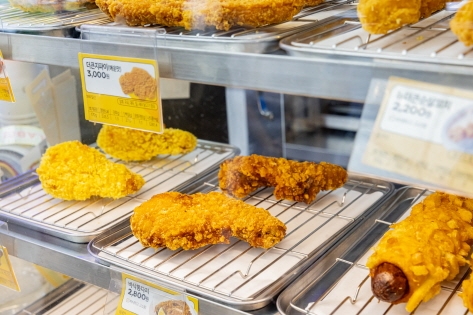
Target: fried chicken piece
x=173, y=307
x=427, y=247
x=298, y=181
x=462, y=24
x=190, y=14
x=74, y=171
x=139, y=82
x=137, y=145
x=176, y=220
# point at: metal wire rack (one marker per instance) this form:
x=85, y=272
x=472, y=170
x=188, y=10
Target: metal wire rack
x=429, y=40
x=25, y=202
x=240, y=274
x=344, y=287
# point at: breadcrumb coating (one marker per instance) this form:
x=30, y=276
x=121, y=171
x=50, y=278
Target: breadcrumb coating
x=139, y=82
x=176, y=220
x=429, y=246
x=74, y=171
x=136, y=145
x=299, y=181
x=197, y=14
x=462, y=24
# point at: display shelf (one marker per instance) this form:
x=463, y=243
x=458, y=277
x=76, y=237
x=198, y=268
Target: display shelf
x=277, y=72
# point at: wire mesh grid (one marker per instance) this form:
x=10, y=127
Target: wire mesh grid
x=237, y=270
x=429, y=40
x=351, y=292
x=162, y=173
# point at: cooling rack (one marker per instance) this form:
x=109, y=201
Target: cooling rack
x=24, y=202
x=238, y=275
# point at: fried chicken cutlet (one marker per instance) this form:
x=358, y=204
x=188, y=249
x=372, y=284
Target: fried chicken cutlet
x=190, y=14
x=136, y=145
x=74, y=171
x=462, y=24
x=292, y=180
x=176, y=220
x=173, y=307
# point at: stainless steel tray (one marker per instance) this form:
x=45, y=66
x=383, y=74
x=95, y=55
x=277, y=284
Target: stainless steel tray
x=24, y=202
x=339, y=283
x=72, y=298
x=238, y=275
x=238, y=39
x=429, y=40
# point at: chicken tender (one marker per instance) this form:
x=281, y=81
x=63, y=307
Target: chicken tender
x=298, y=181
x=137, y=145
x=190, y=14
x=176, y=220
x=426, y=248
x=462, y=24
x=74, y=171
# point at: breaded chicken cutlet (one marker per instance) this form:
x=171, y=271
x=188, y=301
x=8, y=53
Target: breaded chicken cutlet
x=382, y=16
x=222, y=14
x=176, y=220
x=292, y=180
x=173, y=307
x=74, y=171
x=136, y=145
x=462, y=24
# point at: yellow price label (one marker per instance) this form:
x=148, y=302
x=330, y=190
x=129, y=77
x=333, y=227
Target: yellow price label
x=121, y=91
x=7, y=275
x=143, y=297
x=6, y=92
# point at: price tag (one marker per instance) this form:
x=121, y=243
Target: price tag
x=142, y=297
x=424, y=132
x=121, y=91
x=6, y=92
x=7, y=276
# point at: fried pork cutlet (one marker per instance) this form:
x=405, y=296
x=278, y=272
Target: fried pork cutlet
x=74, y=171
x=176, y=220
x=426, y=248
x=462, y=24
x=191, y=14
x=292, y=180
x=137, y=145
x=173, y=307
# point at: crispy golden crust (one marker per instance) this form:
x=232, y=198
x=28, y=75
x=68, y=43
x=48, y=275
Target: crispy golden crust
x=136, y=145
x=299, y=181
x=429, y=246
x=139, y=82
x=197, y=14
x=176, y=220
x=462, y=24
x=74, y=171
x=173, y=307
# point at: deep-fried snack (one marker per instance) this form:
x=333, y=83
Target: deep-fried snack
x=190, y=14
x=137, y=145
x=48, y=6
x=139, y=82
x=173, y=307
x=426, y=248
x=292, y=180
x=176, y=220
x=462, y=24
x=74, y=171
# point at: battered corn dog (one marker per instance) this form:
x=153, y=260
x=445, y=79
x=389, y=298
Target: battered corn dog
x=298, y=181
x=137, y=145
x=420, y=252
x=176, y=220
x=462, y=24
x=74, y=171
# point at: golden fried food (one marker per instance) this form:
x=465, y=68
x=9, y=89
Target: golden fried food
x=176, y=220
x=462, y=24
x=139, y=82
x=74, y=171
x=292, y=180
x=173, y=307
x=426, y=248
x=137, y=145
x=222, y=14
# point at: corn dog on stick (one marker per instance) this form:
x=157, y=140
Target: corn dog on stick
x=462, y=24
x=426, y=248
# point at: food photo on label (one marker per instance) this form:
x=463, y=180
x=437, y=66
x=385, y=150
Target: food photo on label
x=457, y=132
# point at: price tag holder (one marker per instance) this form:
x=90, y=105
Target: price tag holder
x=416, y=132
x=143, y=297
x=6, y=92
x=121, y=91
